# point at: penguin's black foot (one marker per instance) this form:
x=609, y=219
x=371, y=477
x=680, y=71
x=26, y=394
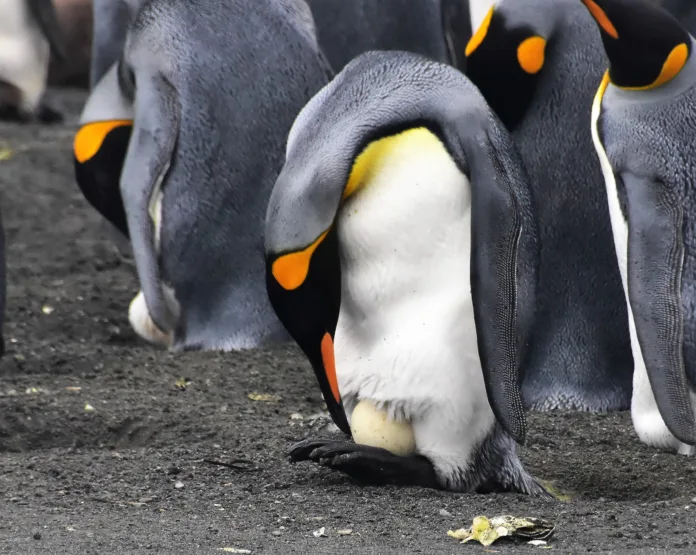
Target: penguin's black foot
x=13, y=114
x=367, y=465
x=46, y=114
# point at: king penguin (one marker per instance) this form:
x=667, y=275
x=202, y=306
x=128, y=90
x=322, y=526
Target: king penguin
x=438, y=29
x=538, y=63
x=643, y=126
x=180, y=144
x=401, y=257
x=29, y=32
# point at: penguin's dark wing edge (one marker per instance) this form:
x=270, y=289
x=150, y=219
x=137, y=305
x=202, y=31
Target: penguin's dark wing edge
x=655, y=263
x=44, y=13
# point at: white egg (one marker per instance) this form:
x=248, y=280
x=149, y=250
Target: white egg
x=140, y=319
x=371, y=426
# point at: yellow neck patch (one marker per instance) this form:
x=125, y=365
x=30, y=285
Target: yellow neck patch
x=90, y=137
x=602, y=89
x=601, y=18
x=290, y=270
x=372, y=160
x=674, y=63
x=480, y=34
x=530, y=54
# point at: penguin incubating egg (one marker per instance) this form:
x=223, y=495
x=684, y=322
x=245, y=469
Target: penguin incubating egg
x=196, y=113
x=29, y=31
x=538, y=64
x=438, y=29
x=400, y=255
x=643, y=125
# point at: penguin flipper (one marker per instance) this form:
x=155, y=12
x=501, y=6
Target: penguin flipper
x=149, y=156
x=44, y=13
x=655, y=264
x=503, y=297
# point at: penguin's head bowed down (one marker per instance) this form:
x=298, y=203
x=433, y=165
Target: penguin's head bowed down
x=646, y=46
x=506, y=55
x=336, y=149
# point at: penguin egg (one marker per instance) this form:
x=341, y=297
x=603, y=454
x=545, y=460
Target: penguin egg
x=371, y=426
x=142, y=323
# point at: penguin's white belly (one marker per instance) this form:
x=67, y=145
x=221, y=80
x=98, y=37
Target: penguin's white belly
x=406, y=338
x=647, y=421
x=24, y=52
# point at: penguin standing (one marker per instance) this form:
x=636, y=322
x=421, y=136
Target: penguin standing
x=400, y=255
x=29, y=31
x=643, y=126
x=438, y=29
x=537, y=63
x=194, y=119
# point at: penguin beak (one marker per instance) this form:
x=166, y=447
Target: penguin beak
x=99, y=152
x=304, y=288
x=655, y=269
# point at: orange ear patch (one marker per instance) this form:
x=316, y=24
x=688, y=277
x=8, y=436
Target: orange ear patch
x=480, y=34
x=90, y=137
x=601, y=18
x=290, y=270
x=530, y=54
x=329, y=361
x=673, y=65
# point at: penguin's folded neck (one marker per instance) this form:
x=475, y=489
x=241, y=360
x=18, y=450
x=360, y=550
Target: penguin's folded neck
x=406, y=337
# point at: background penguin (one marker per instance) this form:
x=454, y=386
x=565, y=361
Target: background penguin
x=29, y=31
x=205, y=148
x=644, y=124
x=438, y=29
x=400, y=230
x=75, y=19
x=684, y=11
x=537, y=63
x=111, y=19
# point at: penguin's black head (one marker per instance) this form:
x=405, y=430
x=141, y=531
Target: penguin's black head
x=505, y=57
x=646, y=46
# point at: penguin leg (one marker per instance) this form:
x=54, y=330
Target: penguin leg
x=10, y=101
x=368, y=465
x=46, y=114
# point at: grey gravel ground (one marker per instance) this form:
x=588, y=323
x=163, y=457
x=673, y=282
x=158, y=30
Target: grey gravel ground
x=105, y=481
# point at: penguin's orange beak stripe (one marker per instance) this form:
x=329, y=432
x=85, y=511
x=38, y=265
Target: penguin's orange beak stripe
x=290, y=270
x=480, y=34
x=329, y=361
x=601, y=18
x=90, y=137
x=530, y=54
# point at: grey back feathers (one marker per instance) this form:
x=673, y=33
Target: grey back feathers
x=218, y=86
x=581, y=356
x=347, y=28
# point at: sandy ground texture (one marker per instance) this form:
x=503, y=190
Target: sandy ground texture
x=102, y=453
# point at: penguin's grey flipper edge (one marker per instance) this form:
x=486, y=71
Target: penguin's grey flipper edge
x=655, y=264
x=502, y=299
x=150, y=151
x=44, y=13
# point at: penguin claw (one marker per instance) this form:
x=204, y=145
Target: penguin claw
x=302, y=450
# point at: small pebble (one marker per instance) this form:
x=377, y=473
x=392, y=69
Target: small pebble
x=276, y=532
x=37, y=535
x=445, y=512
x=346, y=532
x=694, y=500
x=321, y=533
x=179, y=485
